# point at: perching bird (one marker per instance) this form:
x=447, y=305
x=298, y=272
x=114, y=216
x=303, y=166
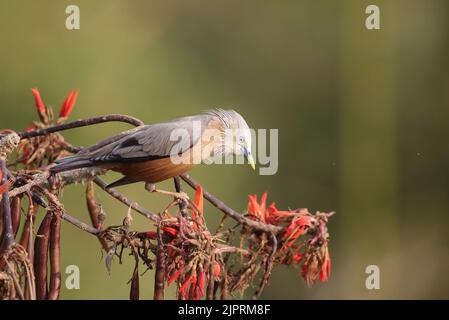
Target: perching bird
x=157, y=152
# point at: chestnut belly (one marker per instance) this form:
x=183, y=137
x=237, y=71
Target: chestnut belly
x=152, y=171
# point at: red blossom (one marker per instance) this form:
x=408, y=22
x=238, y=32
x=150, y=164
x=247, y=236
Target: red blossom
x=217, y=271
x=39, y=104
x=184, y=287
x=297, y=227
x=176, y=274
x=258, y=210
x=199, y=199
x=68, y=104
x=5, y=187
x=199, y=204
x=172, y=231
x=151, y=234
x=193, y=280
x=200, y=284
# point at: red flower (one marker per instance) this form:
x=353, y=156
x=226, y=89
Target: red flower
x=183, y=289
x=39, y=104
x=193, y=280
x=172, y=231
x=274, y=215
x=68, y=104
x=176, y=274
x=5, y=186
x=199, y=204
x=200, y=284
x=151, y=234
x=297, y=257
x=199, y=199
x=325, y=271
x=217, y=271
x=256, y=209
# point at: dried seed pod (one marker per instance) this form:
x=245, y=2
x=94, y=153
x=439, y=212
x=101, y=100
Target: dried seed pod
x=55, y=258
x=41, y=256
x=28, y=229
x=16, y=206
x=96, y=213
x=134, y=290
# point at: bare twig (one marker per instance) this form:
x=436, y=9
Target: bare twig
x=122, y=198
x=7, y=220
x=178, y=188
x=81, y=123
x=63, y=178
x=59, y=208
x=77, y=223
x=159, y=277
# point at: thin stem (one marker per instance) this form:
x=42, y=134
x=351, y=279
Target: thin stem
x=7, y=220
x=178, y=188
x=63, y=178
x=81, y=123
x=122, y=198
x=159, y=277
x=65, y=216
x=78, y=223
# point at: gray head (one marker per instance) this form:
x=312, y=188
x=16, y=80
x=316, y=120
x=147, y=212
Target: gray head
x=237, y=135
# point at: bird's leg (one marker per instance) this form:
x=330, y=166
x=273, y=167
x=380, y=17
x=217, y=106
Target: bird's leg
x=151, y=187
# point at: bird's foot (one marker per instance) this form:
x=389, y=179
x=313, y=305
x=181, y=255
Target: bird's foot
x=182, y=196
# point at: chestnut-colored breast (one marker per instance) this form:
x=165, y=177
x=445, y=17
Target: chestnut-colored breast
x=158, y=170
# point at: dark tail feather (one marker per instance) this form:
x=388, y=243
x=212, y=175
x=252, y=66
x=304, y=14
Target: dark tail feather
x=120, y=182
x=71, y=163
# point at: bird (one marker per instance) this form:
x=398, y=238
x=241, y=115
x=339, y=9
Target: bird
x=156, y=152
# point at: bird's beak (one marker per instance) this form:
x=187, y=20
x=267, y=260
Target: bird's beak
x=251, y=161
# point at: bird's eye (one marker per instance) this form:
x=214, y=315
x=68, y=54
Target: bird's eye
x=241, y=139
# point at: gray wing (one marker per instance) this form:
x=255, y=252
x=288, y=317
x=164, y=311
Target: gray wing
x=154, y=141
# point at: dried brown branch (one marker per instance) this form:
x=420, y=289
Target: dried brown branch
x=159, y=277
x=55, y=259
x=122, y=198
x=8, y=237
x=178, y=188
x=63, y=179
x=81, y=123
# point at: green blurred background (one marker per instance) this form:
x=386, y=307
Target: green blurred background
x=362, y=118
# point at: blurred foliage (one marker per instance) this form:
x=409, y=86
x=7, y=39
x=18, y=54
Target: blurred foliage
x=362, y=118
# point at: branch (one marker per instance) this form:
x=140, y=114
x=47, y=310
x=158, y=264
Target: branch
x=220, y=205
x=64, y=178
x=81, y=123
x=7, y=220
x=178, y=188
x=159, y=276
x=122, y=198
